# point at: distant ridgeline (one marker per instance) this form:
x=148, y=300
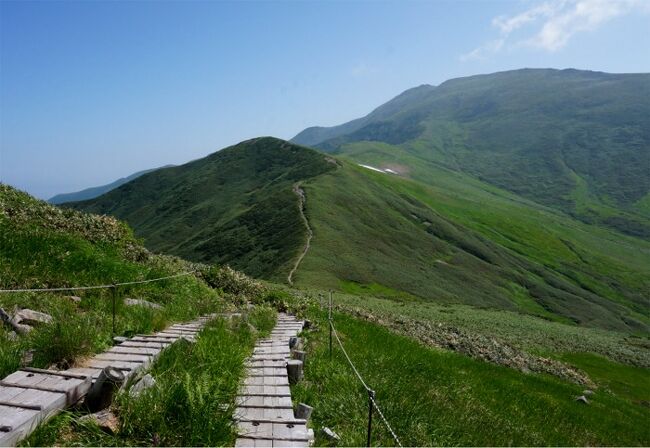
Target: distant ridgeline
x=93, y=192
x=450, y=238
x=577, y=141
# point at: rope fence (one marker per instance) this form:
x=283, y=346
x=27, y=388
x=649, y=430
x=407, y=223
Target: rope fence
x=114, y=287
x=372, y=403
x=84, y=288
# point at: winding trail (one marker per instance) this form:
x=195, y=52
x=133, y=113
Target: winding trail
x=301, y=207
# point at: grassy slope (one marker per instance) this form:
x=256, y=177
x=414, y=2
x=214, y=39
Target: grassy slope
x=449, y=238
x=463, y=241
x=573, y=140
x=434, y=397
x=528, y=333
x=235, y=206
x=42, y=246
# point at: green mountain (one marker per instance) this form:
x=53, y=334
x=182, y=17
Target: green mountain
x=577, y=141
x=458, y=241
x=234, y=207
x=93, y=192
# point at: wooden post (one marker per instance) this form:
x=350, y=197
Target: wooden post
x=294, y=370
x=114, y=294
x=330, y=322
x=304, y=411
x=299, y=355
x=101, y=393
x=371, y=396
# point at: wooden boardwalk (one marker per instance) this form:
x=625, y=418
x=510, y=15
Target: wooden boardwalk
x=29, y=397
x=264, y=411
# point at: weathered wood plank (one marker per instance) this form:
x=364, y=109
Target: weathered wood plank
x=264, y=401
x=120, y=365
x=144, y=344
x=112, y=356
x=135, y=350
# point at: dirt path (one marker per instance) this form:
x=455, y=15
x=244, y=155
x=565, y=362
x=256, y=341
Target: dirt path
x=301, y=206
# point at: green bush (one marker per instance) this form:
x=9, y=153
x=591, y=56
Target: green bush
x=232, y=282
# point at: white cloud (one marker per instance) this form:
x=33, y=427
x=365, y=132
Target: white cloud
x=551, y=24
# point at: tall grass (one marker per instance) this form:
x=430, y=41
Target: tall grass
x=434, y=397
x=193, y=400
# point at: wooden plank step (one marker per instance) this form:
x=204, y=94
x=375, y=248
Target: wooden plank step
x=266, y=381
x=182, y=330
x=112, y=356
x=92, y=372
x=274, y=431
x=143, y=344
x=275, y=363
x=134, y=350
x=278, y=415
x=63, y=373
x=67, y=385
x=120, y=365
x=24, y=392
x=49, y=392
x=151, y=339
x=264, y=390
x=251, y=394
x=16, y=424
x=243, y=442
x=263, y=401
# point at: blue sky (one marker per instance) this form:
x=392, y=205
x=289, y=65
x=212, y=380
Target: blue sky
x=93, y=91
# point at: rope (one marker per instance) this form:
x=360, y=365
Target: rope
x=370, y=391
x=83, y=288
x=381, y=414
x=365, y=386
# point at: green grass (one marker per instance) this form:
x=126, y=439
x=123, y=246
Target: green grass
x=192, y=401
x=42, y=246
x=572, y=140
x=472, y=244
x=233, y=207
x=441, y=235
x=526, y=332
x=433, y=397
x=632, y=383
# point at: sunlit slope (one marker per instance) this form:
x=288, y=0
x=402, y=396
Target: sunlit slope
x=577, y=141
x=235, y=206
x=448, y=238
x=463, y=241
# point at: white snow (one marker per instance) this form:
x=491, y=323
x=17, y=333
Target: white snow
x=385, y=171
x=371, y=168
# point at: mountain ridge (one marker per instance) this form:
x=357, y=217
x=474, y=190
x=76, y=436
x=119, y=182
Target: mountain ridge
x=578, y=141
x=237, y=206
x=93, y=192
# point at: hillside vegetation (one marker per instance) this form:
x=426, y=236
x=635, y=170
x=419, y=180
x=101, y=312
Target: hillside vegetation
x=473, y=245
x=42, y=246
x=458, y=241
x=93, y=192
x=235, y=206
x=573, y=140
x=432, y=396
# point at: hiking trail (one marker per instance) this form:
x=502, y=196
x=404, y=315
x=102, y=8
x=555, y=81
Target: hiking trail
x=301, y=207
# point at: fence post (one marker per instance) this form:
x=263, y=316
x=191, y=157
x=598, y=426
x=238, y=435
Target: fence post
x=371, y=397
x=114, y=294
x=330, y=322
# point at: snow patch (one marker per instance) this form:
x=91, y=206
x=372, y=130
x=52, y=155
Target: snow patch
x=385, y=171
